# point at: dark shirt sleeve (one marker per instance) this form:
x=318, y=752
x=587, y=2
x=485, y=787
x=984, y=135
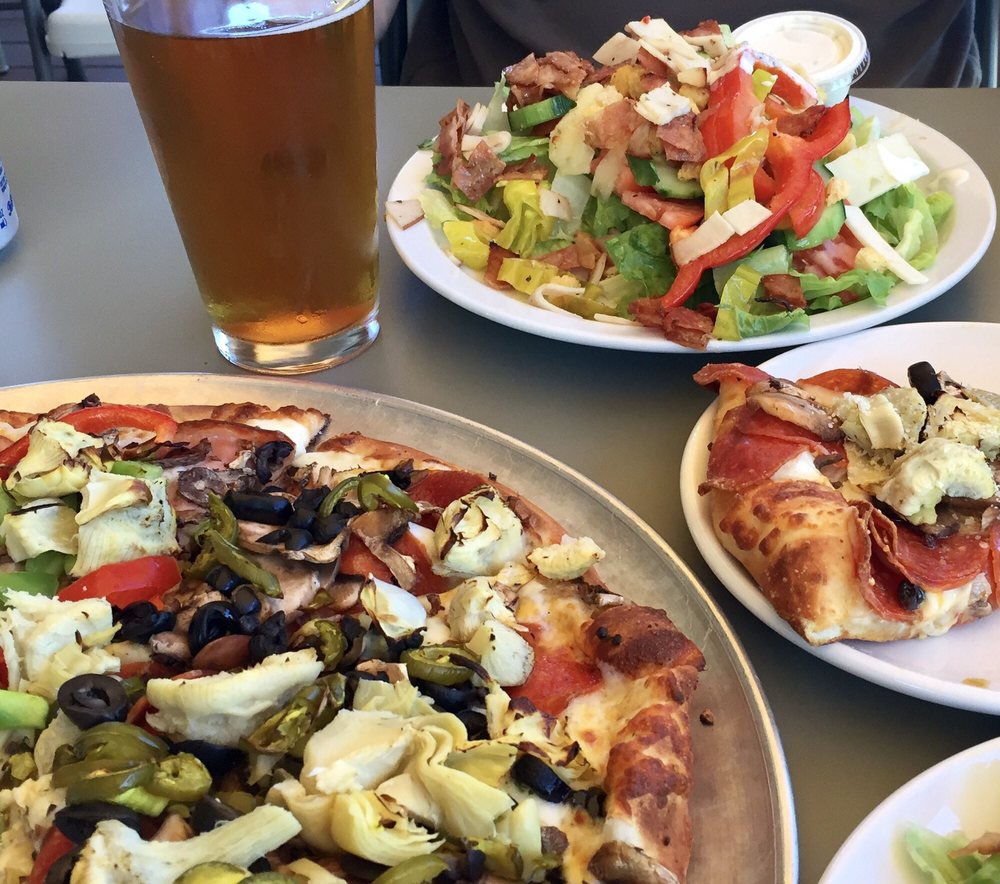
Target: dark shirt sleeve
x=468, y=42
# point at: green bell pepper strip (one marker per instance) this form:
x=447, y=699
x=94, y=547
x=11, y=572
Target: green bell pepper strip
x=137, y=469
x=434, y=663
x=48, y=562
x=36, y=583
x=223, y=521
x=371, y=488
x=21, y=710
x=100, y=779
x=181, y=778
x=416, y=870
x=230, y=555
x=119, y=741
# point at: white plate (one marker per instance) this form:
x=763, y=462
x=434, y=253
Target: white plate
x=959, y=794
x=932, y=668
x=745, y=833
x=965, y=242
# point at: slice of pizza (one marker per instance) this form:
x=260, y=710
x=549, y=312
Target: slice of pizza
x=862, y=509
x=412, y=662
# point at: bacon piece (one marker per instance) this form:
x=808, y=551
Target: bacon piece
x=682, y=141
x=496, y=258
x=859, y=381
x=449, y=143
x=801, y=123
x=529, y=169
x=583, y=252
x=652, y=64
x=644, y=142
x=707, y=28
x=950, y=562
x=476, y=175
x=611, y=128
x=650, y=81
x=783, y=289
x=532, y=79
x=602, y=74
x=686, y=327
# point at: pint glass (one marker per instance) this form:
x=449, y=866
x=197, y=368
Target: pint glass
x=261, y=116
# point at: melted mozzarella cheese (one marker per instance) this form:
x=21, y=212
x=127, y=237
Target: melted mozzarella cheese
x=801, y=468
x=297, y=434
x=585, y=837
x=557, y=609
x=338, y=461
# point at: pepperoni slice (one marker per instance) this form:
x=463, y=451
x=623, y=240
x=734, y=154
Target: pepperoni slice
x=556, y=679
x=882, y=591
x=713, y=375
x=752, y=444
x=859, y=381
x=950, y=562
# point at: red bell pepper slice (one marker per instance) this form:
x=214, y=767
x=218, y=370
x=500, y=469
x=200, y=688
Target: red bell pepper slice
x=95, y=420
x=122, y=583
x=805, y=211
x=790, y=158
x=55, y=845
x=731, y=113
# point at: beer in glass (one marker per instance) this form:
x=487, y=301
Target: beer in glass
x=261, y=116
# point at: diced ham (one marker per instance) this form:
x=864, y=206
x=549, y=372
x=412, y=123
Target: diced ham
x=652, y=64
x=449, y=143
x=682, y=141
x=476, y=175
x=532, y=79
x=783, y=289
x=611, y=127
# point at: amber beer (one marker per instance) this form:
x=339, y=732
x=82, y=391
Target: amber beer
x=262, y=120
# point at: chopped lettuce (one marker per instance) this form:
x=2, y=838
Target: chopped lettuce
x=859, y=282
x=527, y=224
x=617, y=292
x=741, y=315
x=604, y=216
x=643, y=254
x=904, y=219
x=864, y=129
x=765, y=261
x=496, y=115
x=576, y=190
x=929, y=852
x=437, y=207
x=523, y=146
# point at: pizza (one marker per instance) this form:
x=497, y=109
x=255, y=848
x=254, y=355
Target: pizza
x=862, y=509
x=303, y=651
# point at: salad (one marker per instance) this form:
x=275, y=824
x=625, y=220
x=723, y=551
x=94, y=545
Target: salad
x=681, y=181
x=954, y=859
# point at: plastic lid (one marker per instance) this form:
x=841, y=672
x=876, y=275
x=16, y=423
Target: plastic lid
x=831, y=50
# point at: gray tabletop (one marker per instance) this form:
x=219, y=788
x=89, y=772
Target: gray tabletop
x=97, y=283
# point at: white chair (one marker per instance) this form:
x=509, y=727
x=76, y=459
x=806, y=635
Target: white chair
x=72, y=30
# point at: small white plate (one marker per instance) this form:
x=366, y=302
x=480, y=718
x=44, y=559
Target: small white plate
x=959, y=794
x=933, y=668
x=971, y=229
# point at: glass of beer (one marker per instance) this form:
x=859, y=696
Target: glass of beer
x=261, y=116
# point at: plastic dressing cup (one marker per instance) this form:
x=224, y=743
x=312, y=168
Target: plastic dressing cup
x=831, y=50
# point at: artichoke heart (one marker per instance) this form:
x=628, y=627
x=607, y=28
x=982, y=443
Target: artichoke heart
x=120, y=535
x=56, y=461
x=228, y=706
x=472, y=603
x=966, y=421
x=396, y=611
x=566, y=560
x=478, y=534
x=485, y=760
x=46, y=524
x=108, y=491
x=507, y=657
x=401, y=698
x=361, y=824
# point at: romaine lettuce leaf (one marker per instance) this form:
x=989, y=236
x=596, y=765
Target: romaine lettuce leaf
x=523, y=146
x=643, y=254
x=741, y=315
x=602, y=216
x=437, y=207
x=929, y=852
x=904, y=218
x=773, y=259
x=863, y=283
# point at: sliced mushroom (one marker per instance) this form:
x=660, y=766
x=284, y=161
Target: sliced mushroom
x=376, y=530
x=787, y=402
x=619, y=863
x=170, y=647
x=195, y=484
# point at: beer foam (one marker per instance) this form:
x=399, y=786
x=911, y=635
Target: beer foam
x=258, y=19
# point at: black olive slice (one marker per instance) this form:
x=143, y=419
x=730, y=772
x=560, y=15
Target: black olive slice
x=78, y=821
x=535, y=775
x=92, y=699
x=269, y=509
x=211, y=621
x=269, y=457
x=925, y=381
x=219, y=760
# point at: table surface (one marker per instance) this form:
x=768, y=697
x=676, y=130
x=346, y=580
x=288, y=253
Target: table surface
x=97, y=283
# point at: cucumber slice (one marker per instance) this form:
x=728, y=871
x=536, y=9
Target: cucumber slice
x=540, y=112
x=660, y=175
x=826, y=227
